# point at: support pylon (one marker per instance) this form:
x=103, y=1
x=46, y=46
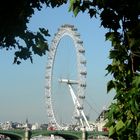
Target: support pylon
x=27, y=134
x=84, y=134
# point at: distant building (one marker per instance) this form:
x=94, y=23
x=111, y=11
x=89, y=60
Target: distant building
x=101, y=121
x=44, y=126
x=35, y=126
x=7, y=125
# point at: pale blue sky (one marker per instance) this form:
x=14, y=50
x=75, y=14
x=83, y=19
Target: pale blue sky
x=22, y=86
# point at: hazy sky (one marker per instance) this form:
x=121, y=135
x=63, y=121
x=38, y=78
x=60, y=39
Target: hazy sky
x=22, y=86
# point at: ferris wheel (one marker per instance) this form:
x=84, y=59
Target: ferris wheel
x=79, y=82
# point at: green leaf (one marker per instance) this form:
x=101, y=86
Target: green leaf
x=136, y=81
x=111, y=131
x=109, y=35
x=136, y=105
x=128, y=122
x=110, y=85
x=44, y=31
x=119, y=125
x=138, y=130
x=41, y=47
x=76, y=11
x=92, y=12
x=74, y=6
x=71, y=5
x=114, y=53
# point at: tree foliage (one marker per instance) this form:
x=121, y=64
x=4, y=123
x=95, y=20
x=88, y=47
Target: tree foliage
x=14, y=17
x=122, y=19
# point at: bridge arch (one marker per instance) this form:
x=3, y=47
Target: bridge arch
x=12, y=135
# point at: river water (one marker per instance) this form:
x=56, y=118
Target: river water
x=47, y=138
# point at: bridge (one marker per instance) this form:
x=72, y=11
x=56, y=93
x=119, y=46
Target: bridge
x=67, y=135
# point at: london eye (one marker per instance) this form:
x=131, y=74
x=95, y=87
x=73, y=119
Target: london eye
x=75, y=85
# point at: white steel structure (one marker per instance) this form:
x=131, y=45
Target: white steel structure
x=67, y=30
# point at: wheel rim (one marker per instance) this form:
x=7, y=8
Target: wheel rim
x=71, y=31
